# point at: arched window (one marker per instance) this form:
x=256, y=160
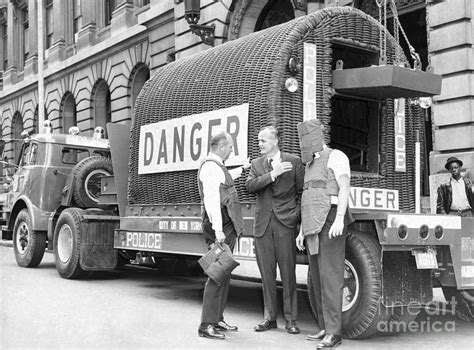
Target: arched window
x=101, y=103
x=140, y=74
x=275, y=12
x=17, y=129
x=67, y=111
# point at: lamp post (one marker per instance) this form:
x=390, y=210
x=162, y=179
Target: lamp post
x=192, y=13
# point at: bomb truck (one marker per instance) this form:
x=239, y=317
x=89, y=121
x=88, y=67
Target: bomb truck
x=331, y=65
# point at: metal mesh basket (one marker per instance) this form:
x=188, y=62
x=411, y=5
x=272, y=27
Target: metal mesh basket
x=253, y=70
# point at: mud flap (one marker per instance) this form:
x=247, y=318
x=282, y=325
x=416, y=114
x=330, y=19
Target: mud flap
x=402, y=283
x=97, y=240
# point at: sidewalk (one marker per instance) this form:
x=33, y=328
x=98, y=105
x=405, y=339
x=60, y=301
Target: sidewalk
x=6, y=243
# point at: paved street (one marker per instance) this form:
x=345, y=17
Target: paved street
x=140, y=308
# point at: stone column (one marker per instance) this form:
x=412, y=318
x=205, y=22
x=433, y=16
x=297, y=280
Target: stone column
x=123, y=16
x=86, y=36
x=10, y=76
x=31, y=64
x=451, y=37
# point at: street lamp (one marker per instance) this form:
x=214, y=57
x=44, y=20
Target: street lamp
x=192, y=13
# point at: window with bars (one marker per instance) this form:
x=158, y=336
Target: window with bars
x=49, y=23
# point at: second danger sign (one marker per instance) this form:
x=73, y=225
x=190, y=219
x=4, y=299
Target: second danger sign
x=179, y=144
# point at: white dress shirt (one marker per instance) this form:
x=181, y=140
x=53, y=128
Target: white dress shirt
x=212, y=176
x=339, y=164
x=276, y=159
x=460, y=201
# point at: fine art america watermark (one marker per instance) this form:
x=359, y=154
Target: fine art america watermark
x=403, y=318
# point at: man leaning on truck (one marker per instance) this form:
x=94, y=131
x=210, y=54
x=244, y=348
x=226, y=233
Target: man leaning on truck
x=222, y=221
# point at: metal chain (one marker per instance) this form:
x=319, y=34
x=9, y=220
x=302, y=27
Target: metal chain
x=415, y=56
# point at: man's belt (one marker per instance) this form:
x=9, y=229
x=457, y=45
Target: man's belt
x=460, y=211
x=314, y=184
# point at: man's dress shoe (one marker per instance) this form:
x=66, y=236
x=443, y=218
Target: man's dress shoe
x=265, y=326
x=210, y=332
x=291, y=327
x=329, y=341
x=224, y=326
x=317, y=336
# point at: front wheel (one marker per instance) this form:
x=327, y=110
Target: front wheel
x=67, y=245
x=28, y=246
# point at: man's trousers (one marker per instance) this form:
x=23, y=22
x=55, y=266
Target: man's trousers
x=327, y=277
x=215, y=297
x=278, y=246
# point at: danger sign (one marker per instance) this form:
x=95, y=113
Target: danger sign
x=179, y=144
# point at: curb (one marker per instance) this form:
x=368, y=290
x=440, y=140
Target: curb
x=6, y=243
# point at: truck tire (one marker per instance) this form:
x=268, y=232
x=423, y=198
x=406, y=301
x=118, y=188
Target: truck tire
x=87, y=185
x=362, y=309
x=464, y=307
x=28, y=246
x=67, y=245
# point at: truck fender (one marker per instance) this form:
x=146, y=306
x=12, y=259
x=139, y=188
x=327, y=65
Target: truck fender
x=39, y=218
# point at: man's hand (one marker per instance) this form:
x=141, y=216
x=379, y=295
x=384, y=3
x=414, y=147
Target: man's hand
x=220, y=236
x=246, y=163
x=300, y=241
x=281, y=168
x=337, y=227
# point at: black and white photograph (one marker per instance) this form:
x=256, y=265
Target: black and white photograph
x=236, y=174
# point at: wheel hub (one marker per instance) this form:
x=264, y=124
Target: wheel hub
x=351, y=289
x=22, y=237
x=92, y=182
x=65, y=243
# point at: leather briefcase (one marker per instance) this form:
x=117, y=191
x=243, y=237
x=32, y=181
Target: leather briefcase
x=218, y=263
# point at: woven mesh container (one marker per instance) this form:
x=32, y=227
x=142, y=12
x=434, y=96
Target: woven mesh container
x=253, y=70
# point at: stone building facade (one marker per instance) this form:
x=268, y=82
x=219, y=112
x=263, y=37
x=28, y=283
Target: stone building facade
x=99, y=53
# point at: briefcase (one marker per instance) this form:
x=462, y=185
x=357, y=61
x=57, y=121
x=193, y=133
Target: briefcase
x=218, y=263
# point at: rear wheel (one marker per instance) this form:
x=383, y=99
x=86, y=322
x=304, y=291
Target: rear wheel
x=462, y=301
x=362, y=308
x=67, y=245
x=28, y=246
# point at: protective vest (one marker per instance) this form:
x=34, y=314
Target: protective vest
x=319, y=185
x=228, y=196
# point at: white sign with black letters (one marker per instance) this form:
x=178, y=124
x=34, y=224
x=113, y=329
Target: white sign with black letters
x=400, y=141
x=179, y=144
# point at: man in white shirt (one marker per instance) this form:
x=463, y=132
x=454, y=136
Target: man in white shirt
x=222, y=222
x=324, y=221
x=455, y=197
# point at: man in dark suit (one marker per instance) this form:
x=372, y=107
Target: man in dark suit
x=277, y=179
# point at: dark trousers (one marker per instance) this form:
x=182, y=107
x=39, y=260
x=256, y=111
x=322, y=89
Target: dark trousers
x=278, y=245
x=327, y=277
x=215, y=297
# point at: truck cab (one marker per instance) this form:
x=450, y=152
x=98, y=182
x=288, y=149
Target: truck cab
x=44, y=180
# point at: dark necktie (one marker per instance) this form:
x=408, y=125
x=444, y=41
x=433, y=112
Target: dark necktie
x=270, y=164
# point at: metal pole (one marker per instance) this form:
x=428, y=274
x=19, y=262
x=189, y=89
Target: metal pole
x=41, y=115
x=417, y=173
